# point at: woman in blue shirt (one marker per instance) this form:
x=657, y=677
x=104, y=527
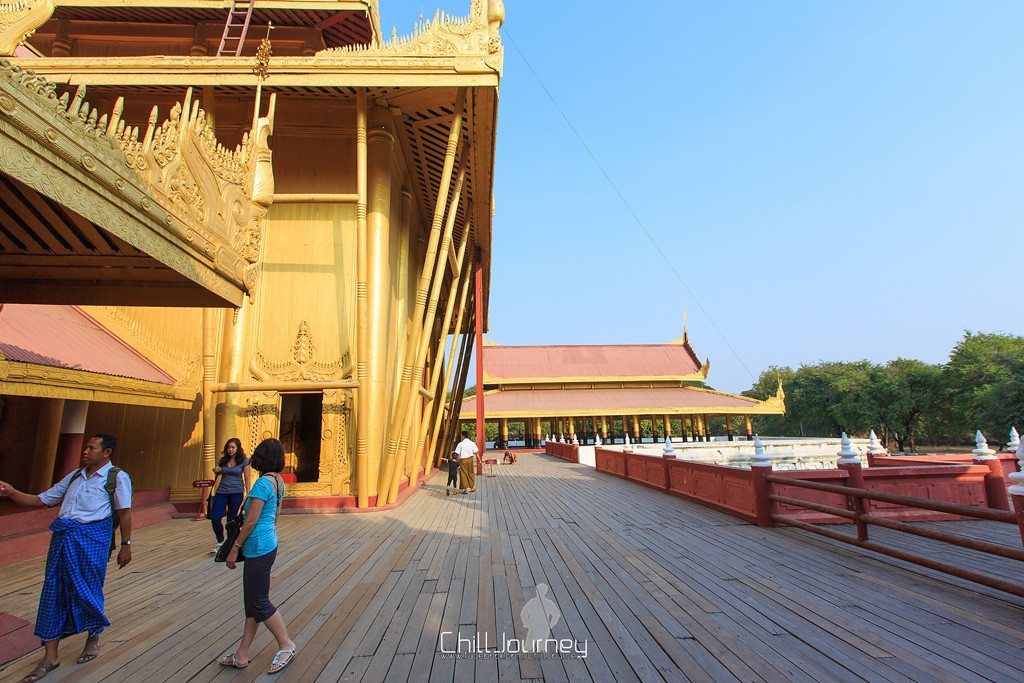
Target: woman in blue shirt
x=257, y=540
x=233, y=470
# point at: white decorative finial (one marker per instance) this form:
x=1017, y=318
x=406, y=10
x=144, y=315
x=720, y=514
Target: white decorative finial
x=1018, y=477
x=760, y=458
x=575, y=440
x=669, y=452
x=847, y=456
x=1014, y=443
x=875, y=446
x=597, y=440
x=627, y=439
x=981, y=450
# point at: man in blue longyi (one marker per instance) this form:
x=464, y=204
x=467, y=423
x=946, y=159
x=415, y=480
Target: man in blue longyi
x=95, y=499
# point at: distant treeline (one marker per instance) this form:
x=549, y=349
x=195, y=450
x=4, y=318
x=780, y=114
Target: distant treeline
x=907, y=402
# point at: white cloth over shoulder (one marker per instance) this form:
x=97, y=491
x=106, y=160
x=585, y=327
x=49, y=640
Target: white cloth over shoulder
x=86, y=500
x=466, y=449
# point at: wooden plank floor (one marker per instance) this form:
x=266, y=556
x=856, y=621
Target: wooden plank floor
x=660, y=589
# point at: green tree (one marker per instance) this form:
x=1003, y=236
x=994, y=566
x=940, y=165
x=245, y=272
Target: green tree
x=905, y=394
x=979, y=363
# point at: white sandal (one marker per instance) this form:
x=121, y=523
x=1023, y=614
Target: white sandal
x=282, y=658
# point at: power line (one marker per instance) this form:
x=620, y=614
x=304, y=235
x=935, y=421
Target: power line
x=625, y=203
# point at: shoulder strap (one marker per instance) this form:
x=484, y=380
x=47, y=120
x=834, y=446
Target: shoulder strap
x=279, y=490
x=111, y=487
x=76, y=475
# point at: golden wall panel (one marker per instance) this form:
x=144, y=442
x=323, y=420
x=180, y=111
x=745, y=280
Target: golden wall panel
x=308, y=276
x=158, y=447
x=18, y=418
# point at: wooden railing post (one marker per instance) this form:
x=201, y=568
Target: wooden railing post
x=850, y=462
x=760, y=469
x=1017, y=492
x=995, y=483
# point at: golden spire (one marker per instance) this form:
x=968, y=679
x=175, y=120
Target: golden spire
x=263, y=54
x=262, y=71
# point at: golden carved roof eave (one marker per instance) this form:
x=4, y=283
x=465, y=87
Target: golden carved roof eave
x=325, y=71
x=43, y=381
x=61, y=149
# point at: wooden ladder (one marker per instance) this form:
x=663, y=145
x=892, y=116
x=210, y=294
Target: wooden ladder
x=235, y=28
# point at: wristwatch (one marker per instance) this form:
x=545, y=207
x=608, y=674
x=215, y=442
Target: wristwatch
x=128, y=542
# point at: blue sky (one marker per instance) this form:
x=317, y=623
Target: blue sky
x=832, y=180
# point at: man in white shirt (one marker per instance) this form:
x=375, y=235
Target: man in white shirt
x=94, y=500
x=466, y=450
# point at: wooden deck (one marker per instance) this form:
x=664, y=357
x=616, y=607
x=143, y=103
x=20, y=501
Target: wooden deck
x=658, y=587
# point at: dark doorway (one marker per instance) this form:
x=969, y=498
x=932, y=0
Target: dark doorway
x=300, y=433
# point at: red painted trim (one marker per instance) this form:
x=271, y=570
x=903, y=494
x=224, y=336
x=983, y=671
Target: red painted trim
x=478, y=302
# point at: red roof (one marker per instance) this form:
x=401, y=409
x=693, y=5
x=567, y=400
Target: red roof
x=627, y=401
x=66, y=337
x=504, y=364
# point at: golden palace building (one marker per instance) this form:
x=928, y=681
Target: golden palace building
x=608, y=393
x=206, y=234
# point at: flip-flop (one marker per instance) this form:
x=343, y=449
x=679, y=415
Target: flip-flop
x=89, y=654
x=281, y=659
x=39, y=672
x=231, y=661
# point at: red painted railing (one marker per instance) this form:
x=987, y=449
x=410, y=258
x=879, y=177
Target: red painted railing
x=733, y=489
x=565, y=451
x=864, y=506
x=1007, y=460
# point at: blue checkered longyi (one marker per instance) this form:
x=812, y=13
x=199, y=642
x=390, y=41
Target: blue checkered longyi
x=76, y=567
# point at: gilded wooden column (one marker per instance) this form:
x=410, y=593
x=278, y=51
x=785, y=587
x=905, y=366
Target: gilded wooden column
x=636, y=428
x=668, y=427
x=604, y=427
x=503, y=425
x=376, y=390
x=400, y=321
x=728, y=427
x=749, y=427
x=362, y=306
x=572, y=429
x=44, y=452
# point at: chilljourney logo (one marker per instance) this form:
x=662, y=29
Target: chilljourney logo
x=539, y=615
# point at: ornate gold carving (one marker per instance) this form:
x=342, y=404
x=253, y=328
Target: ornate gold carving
x=334, y=453
x=263, y=54
x=192, y=174
x=212, y=199
x=19, y=20
x=444, y=36
x=301, y=366
x=262, y=415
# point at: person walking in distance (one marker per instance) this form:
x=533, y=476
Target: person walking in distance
x=466, y=450
x=453, y=473
x=95, y=499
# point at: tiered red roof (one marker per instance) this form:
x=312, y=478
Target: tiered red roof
x=511, y=364
x=612, y=401
x=66, y=337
